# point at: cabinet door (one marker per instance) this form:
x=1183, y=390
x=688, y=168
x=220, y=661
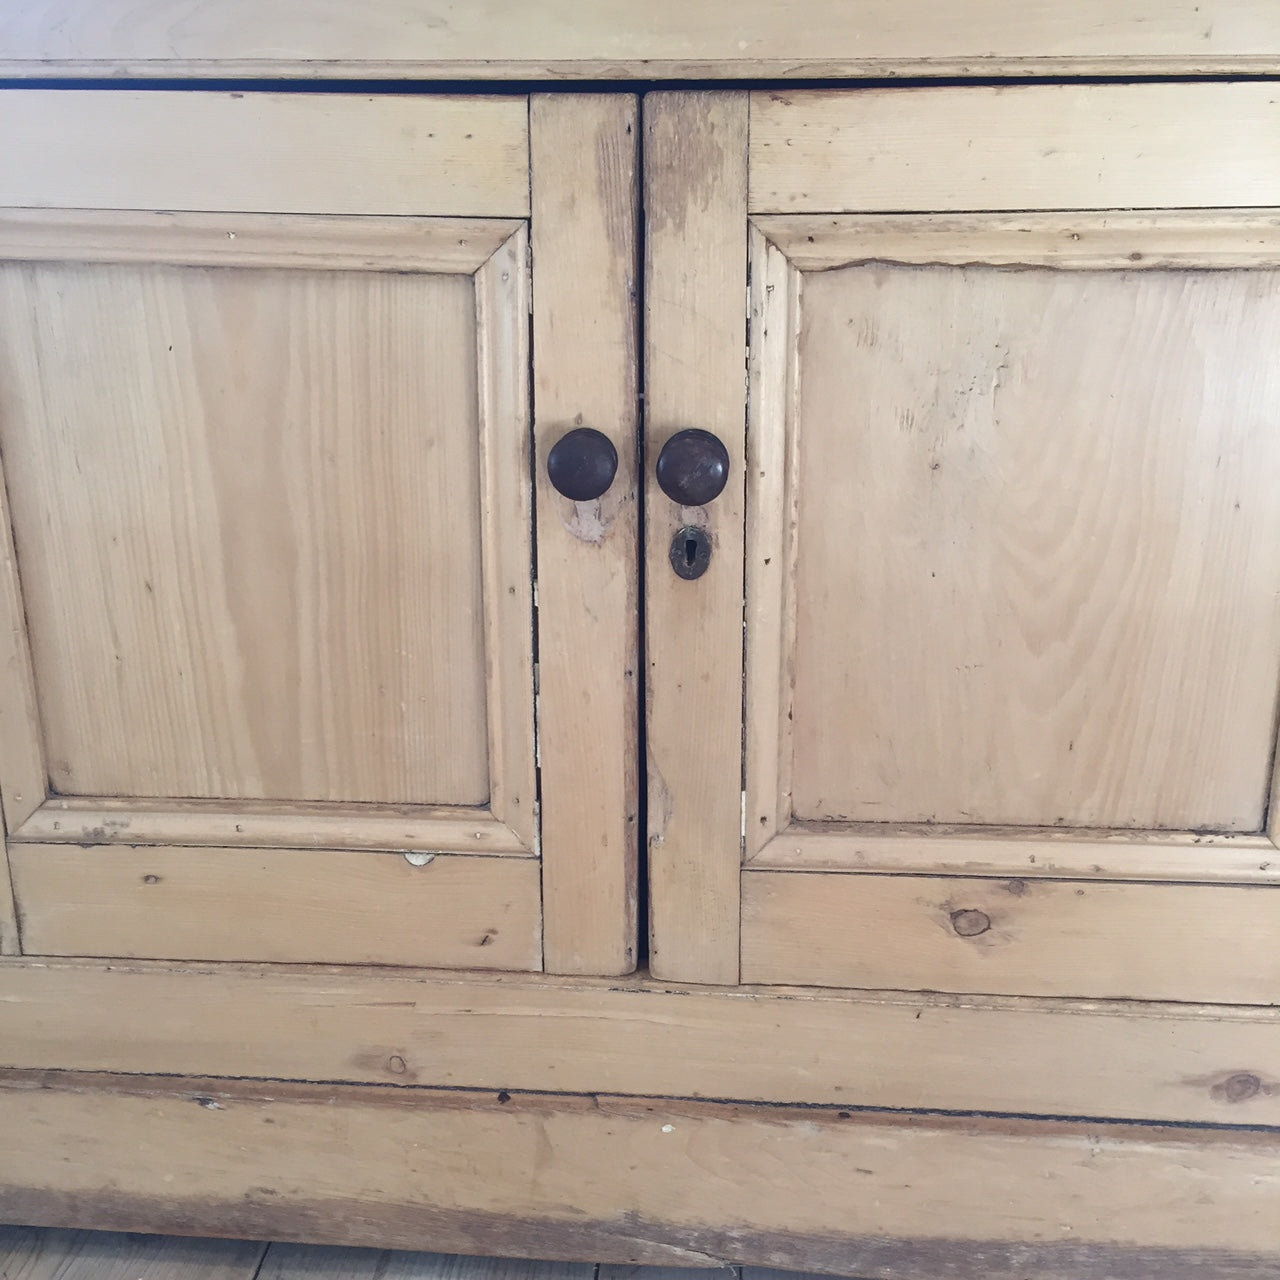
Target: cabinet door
x=1001, y=535
x=265, y=415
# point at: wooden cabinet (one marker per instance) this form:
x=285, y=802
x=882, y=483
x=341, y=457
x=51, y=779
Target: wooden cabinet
x=953, y=711
x=266, y=428
x=1012, y=631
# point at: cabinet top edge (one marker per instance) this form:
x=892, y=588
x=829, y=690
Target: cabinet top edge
x=608, y=40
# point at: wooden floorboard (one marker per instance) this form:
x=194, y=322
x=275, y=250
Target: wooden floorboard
x=319, y=1262
x=39, y=1253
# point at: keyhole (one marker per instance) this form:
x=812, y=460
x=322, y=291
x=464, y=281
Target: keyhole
x=690, y=552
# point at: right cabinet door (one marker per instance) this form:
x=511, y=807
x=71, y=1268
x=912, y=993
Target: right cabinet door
x=1009, y=505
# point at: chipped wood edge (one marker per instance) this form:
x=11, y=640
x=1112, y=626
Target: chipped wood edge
x=585, y=233
x=641, y=1180
x=1179, y=239
x=772, y=504
x=298, y=241
x=268, y=824
x=506, y=517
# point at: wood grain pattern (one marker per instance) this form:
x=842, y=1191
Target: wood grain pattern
x=32, y=1253
x=585, y=161
x=296, y=241
x=644, y=1180
x=294, y=906
x=270, y=824
x=1038, y=547
x=265, y=152
x=318, y=1262
x=1012, y=937
x=1126, y=1060
x=1016, y=147
x=1088, y=241
x=266, y=470
x=595, y=39
x=696, y=257
x=506, y=536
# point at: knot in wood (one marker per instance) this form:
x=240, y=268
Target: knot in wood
x=1241, y=1087
x=970, y=923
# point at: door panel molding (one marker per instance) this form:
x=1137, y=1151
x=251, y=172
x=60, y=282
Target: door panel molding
x=268, y=824
x=1119, y=240
x=495, y=255
x=506, y=515
x=306, y=242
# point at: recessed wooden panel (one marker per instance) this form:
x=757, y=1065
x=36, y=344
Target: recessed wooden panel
x=1012, y=937
x=1038, y=546
x=316, y=905
x=246, y=513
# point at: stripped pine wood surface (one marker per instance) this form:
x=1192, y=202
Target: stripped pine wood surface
x=1024, y=147
x=574, y=39
x=649, y=1180
x=265, y=152
x=182, y=628
x=696, y=230
x=1122, y=1060
x=36, y=1253
x=278, y=904
x=585, y=227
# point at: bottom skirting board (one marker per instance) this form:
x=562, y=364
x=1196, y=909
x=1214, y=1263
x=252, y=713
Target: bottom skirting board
x=639, y=1180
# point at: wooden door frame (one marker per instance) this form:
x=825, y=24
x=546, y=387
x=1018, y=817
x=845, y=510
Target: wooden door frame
x=456, y=189
x=793, y=180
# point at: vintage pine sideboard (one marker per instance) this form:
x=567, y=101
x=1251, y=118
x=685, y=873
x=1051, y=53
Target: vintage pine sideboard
x=645, y=634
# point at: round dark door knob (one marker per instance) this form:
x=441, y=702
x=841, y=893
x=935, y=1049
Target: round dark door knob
x=582, y=464
x=693, y=467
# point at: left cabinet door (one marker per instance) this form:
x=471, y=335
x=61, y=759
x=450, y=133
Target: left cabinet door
x=269, y=609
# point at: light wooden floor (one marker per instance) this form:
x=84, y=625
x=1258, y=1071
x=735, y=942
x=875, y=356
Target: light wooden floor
x=34, y=1253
